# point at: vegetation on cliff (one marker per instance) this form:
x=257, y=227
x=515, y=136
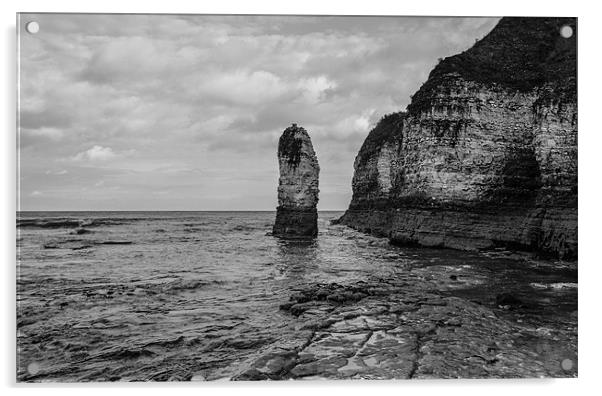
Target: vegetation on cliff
x=290, y=144
x=518, y=54
x=387, y=129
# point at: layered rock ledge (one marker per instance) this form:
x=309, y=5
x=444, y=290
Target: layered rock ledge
x=296, y=215
x=486, y=154
x=420, y=324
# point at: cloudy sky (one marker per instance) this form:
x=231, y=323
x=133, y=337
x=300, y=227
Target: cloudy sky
x=148, y=112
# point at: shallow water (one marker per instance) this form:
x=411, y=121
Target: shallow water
x=181, y=295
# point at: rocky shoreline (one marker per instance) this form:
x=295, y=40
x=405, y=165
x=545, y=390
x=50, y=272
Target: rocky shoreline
x=428, y=324
x=347, y=305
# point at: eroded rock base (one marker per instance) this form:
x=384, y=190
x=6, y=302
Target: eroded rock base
x=547, y=232
x=296, y=223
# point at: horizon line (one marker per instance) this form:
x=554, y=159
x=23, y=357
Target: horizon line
x=168, y=210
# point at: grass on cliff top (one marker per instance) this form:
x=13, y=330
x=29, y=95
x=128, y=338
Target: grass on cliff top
x=519, y=54
x=387, y=129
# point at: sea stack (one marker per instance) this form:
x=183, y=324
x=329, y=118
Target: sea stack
x=297, y=216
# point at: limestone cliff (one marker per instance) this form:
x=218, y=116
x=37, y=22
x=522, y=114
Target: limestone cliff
x=297, y=216
x=486, y=153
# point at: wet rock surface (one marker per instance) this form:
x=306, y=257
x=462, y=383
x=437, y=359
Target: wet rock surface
x=390, y=329
x=182, y=304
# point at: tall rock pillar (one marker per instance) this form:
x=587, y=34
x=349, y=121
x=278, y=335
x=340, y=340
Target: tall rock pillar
x=297, y=216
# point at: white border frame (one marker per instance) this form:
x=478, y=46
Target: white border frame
x=590, y=143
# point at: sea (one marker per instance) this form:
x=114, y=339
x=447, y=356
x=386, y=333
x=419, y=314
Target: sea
x=160, y=296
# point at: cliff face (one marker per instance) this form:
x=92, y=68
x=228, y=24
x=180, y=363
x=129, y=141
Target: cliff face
x=486, y=154
x=296, y=215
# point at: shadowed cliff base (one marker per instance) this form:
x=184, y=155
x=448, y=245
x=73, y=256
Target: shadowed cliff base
x=486, y=153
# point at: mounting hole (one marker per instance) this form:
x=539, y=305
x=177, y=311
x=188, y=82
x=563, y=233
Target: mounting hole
x=32, y=27
x=566, y=31
x=33, y=368
x=566, y=364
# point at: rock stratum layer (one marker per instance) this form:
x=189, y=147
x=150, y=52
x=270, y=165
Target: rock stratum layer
x=296, y=215
x=486, y=153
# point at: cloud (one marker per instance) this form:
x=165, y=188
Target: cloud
x=96, y=153
x=210, y=93
x=244, y=87
x=316, y=88
x=42, y=132
x=57, y=172
x=44, y=119
x=127, y=58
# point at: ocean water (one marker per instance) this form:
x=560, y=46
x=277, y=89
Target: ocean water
x=104, y=296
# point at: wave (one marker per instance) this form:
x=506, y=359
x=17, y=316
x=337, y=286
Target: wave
x=75, y=223
x=48, y=223
x=78, y=244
